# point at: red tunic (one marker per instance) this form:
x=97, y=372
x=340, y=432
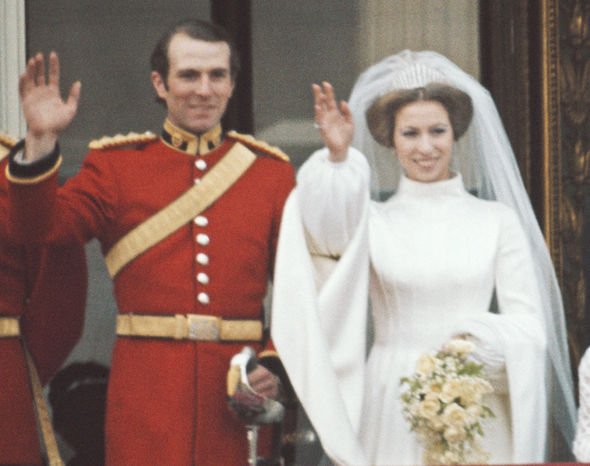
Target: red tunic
x=33, y=287
x=167, y=399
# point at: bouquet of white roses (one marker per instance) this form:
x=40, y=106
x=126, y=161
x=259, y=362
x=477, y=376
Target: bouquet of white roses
x=444, y=404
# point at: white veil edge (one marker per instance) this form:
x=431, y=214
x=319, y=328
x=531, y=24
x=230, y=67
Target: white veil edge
x=490, y=170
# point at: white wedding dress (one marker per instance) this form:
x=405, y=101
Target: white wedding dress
x=435, y=256
x=582, y=442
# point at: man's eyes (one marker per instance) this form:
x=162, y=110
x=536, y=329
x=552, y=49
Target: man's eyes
x=193, y=75
x=219, y=74
x=188, y=75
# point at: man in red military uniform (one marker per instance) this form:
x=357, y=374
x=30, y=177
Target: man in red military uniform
x=42, y=299
x=188, y=223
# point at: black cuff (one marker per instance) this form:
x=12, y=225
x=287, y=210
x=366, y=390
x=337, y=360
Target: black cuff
x=34, y=169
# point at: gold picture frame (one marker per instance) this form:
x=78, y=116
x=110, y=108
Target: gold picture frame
x=565, y=103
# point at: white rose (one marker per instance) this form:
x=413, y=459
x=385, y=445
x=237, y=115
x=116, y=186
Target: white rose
x=483, y=386
x=474, y=412
x=451, y=390
x=450, y=457
x=454, y=415
x=436, y=424
x=470, y=392
x=433, y=455
x=429, y=408
x=425, y=364
x=435, y=388
x=454, y=434
x=459, y=346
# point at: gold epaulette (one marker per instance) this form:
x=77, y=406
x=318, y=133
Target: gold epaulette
x=6, y=143
x=258, y=145
x=122, y=140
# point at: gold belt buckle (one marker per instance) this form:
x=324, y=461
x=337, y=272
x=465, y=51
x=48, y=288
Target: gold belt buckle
x=202, y=327
x=9, y=327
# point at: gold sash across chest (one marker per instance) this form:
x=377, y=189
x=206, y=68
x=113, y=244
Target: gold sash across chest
x=180, y=211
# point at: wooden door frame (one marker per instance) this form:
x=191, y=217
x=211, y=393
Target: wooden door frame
x=535, y=57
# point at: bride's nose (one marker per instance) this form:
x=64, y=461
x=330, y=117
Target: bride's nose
x=424, y=144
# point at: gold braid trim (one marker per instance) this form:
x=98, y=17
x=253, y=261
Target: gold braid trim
x=176, y=214
x=37, y=179
x=52, y=450
x=121, y=140
x=268, y=354
x=259, y=145
x=6, y=143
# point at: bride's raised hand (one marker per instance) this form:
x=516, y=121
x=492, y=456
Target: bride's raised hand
x=333, y=120
x=46, y=113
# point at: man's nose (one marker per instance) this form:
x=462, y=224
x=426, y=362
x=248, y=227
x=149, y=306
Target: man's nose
x=203, y=86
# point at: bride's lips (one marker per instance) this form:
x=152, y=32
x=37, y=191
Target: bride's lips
x=426, y=163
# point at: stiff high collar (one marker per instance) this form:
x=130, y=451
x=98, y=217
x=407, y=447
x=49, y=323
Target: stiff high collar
x=452, y=186
x=193, y=144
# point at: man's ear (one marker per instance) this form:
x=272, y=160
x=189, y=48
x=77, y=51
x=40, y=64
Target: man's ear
x=159, y=85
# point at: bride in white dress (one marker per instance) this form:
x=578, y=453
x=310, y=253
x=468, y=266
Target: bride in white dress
x=432, y=259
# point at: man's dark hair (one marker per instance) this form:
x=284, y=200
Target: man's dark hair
x=199, y=30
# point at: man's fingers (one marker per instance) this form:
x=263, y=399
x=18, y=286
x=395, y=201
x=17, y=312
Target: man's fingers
x=74, y=96
x=54, y=70
x=28, y=77
x=39, y=69
x=22, y=84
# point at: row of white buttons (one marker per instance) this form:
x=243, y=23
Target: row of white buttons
x=202, y=166
x=202, y=258
x=201, y=221
x=203, y=240
x=203, y=298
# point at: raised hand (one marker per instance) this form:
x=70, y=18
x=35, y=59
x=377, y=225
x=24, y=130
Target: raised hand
x=46, y=113
x=333, y=121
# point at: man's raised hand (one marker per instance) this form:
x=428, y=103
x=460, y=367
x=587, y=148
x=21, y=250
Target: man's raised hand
x=46, y=113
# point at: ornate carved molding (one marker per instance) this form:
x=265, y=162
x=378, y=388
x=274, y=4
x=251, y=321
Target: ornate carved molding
x=551, y=154
x=569, y=185
x=549, y=128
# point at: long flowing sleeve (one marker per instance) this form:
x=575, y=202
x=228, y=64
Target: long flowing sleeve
x=320, y=291
x=333, y=196
x=514, y=339
x=582, y=441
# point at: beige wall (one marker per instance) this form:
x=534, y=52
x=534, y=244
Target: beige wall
x=446, y=26
x=335, y=40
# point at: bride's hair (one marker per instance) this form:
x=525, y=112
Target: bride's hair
x=381, y=114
